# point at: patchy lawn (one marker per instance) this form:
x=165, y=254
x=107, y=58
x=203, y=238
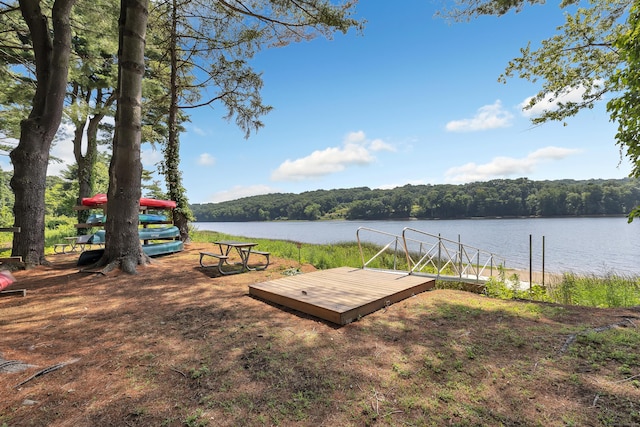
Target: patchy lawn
x=177, y=346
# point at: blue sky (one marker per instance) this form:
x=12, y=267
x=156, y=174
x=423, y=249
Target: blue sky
x=414, y=99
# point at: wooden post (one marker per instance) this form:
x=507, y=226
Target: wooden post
x=543, y=261
x=530, y=262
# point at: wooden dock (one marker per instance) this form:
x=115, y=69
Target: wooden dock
x=341, y=295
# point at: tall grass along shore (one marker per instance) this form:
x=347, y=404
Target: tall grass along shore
x=606, y=291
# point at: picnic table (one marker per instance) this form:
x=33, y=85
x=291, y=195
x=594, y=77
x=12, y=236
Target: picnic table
x=74, y=243
x=244, y=251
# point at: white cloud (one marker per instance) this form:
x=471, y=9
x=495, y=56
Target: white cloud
x=206, y=159
x=62, y=149
x=5, y=161
x=502, y=167
x=150, y=158
x=356, y=150
x=553, y=153
x=198, y=131
x=380, y=145
x=355, y=137
x=550, y=102
x=239, y=192
x=488, y=117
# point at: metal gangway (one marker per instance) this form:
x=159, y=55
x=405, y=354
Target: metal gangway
x=421, y=253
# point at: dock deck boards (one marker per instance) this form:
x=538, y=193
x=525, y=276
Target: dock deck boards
x=341, y=295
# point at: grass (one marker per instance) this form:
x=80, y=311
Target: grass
x=193, y=350
x=321, y=256
x=56, y=229
x=610, y=290
x=592, y=291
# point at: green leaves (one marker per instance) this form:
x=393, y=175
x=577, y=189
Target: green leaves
x=594, y=53
x=625, y=109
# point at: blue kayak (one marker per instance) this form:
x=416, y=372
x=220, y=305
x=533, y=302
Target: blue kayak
x=152, y=249
x=142, y=218
x=145, y=234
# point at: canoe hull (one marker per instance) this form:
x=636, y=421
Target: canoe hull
x=152, y=249
x=144, y=233
x=164, y=248
x=98, y=219
x=101, y=199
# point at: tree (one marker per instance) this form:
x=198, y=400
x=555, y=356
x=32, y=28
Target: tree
x=92, y=81
x=16, y=76
x=168, y=14
x=6, y=200
x=625, y=109
x=285, y=21
x=593, y=54
x=224, y=35
x=401, y=204
x=122, y=244
x=51, y=50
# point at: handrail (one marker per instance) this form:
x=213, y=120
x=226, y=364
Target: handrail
x=444, y=256
x=432, y=255
x=395, y=240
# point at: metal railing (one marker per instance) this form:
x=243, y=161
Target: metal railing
x=447, y=259
x=397, y=253
x=421, y=253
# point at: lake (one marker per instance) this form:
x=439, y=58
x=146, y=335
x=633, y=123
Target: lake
x=579, y=245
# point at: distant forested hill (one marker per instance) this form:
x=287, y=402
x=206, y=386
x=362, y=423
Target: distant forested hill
x=497, y=198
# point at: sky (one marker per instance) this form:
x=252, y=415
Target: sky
x=414, y=99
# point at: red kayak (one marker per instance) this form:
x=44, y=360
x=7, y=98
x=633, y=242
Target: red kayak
x=101, y=199
x=98, y=199
x=6, y=279
x=156, y=203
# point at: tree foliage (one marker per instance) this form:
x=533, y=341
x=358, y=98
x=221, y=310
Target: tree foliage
x=204, y=49
x=49, y=38
x=594, y=54
x=92, y=81
x=281, y=21
x=497, y=198
x=38, y=41
x=625, y=109
x=574, y=66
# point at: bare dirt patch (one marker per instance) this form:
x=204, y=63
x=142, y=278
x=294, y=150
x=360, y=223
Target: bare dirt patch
x=177, y=345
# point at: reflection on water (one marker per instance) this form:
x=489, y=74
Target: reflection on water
x=580, y=245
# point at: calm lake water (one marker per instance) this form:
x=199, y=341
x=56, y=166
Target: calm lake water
x=580, y=245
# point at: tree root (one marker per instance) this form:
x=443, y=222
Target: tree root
x=47, y=370
x=625, y=322
x=128, y=264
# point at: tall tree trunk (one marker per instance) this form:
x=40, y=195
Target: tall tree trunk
x=31, y=157
x=30, y=160
x=86, y=164
x=87, y=161
x=122, y=243
x=173, y=177
x=84, y=174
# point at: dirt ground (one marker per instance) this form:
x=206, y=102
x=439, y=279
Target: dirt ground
x=177, y=345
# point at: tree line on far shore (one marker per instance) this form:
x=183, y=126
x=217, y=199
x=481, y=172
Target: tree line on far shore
x=496, y=198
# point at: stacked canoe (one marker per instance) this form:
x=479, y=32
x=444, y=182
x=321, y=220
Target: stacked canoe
x=170, y=234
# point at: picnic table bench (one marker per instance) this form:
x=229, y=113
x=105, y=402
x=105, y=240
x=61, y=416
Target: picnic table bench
x=261, y=266
x=244, y=250
x=75, y=243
